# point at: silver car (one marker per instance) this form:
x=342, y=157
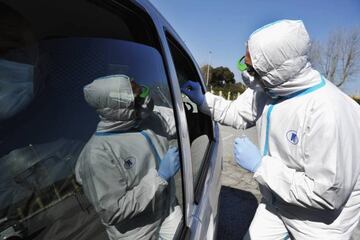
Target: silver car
x=49, y=50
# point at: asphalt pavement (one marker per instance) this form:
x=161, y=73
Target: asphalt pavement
x=239, y=194
x=233, y=175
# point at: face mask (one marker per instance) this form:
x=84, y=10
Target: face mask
x=250, y=81
x=16, y=87
x=144, y=104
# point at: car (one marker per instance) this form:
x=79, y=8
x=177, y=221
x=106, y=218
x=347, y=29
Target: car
x=49, y=50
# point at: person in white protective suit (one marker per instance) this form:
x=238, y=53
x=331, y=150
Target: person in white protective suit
x=308, y=130
x=127, y=167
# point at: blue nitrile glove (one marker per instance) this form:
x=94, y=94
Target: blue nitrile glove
x=193, y=91
x=246, y=154
x=170, y=164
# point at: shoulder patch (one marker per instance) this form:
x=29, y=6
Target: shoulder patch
x=129, y=162
x=292, y=137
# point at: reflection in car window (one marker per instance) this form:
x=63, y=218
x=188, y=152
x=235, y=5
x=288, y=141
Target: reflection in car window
x=127, y=186
x=82, y=147
x=200, y=128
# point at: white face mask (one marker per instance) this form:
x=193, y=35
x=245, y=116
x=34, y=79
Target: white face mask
x=250, y=81
x=254, y=84
x=16, y=87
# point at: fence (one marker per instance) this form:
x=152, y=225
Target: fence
x=230, y=95
x=227, y=95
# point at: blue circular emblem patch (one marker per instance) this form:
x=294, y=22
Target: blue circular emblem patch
x=129, y=162
x=292, y=137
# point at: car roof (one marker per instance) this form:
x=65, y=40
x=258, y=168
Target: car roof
x=158, y=18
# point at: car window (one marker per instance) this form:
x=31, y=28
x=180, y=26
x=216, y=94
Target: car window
x=86, y=126
x=199, y=125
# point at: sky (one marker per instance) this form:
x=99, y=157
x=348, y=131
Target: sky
x=223, y=26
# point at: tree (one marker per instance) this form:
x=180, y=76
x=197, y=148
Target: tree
x=222, y=79
x=221, y=76
x=339, y=58
x=205, y=69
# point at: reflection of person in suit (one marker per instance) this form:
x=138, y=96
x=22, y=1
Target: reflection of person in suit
x=126, y=168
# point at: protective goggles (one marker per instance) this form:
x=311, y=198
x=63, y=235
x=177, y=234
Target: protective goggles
x=145, y=91
x=142, y=98
x=242, y=66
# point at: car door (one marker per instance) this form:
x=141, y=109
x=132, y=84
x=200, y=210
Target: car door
x=52, y=51
x=204, y=148
x=199, y=137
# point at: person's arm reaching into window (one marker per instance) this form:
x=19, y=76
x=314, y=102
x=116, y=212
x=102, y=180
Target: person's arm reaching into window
x=241, y=113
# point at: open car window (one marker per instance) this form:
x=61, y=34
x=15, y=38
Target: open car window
x=199, y=125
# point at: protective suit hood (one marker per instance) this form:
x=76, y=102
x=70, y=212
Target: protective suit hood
x=279, y=53
x=113, y=99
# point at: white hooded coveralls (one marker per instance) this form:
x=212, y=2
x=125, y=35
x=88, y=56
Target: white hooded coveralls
x=308, y=133
x=118, y=166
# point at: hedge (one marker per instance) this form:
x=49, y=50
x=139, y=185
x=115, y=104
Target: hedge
x=356, y=98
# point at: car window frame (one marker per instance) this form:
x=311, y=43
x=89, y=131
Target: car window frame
x=199, y=186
